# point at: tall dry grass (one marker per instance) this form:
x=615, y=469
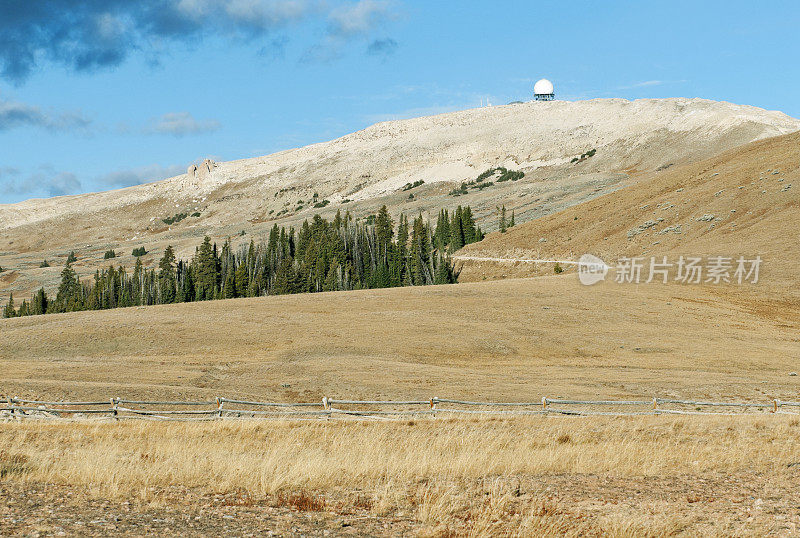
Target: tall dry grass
x=266, y=457
x=452, y=473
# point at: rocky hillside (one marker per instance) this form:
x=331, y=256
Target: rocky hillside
x=534, y=136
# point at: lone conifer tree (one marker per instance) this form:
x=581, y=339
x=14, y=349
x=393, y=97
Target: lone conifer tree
x=68, y=298
x=384, y=229
x=206, y=271
x=503, y=226
x=8, y=311
x=166, y=276
x=457, y=230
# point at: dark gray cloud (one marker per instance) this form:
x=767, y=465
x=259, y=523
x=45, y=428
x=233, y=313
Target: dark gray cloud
x=138, y=176
x=382, y=47
x=15, y=114
x=85, y=35
x=181, y=124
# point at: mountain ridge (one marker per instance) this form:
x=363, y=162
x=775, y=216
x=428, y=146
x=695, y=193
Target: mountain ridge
x=443, y=152
x=364, y=170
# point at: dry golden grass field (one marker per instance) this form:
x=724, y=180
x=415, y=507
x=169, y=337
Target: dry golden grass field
x=504, y=340
x=642, y=476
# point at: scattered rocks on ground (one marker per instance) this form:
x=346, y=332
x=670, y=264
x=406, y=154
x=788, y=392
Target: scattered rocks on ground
x=642, y=227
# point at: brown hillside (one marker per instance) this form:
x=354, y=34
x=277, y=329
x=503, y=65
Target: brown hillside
x=503, y=340
x=743, y=202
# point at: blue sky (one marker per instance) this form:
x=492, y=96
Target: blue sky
x=100, y=94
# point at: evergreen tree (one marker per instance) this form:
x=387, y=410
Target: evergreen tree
x=384, y=229
x=420, y=254
x=468, y=225
x=457, y=230
x=242, y=280
x=185, y=291
x=68, y=298
x=229, y=288
x=166, y=276
x=402, y=251
x=137, y=285
x=503, y=219
x=206, y=283
x=442, y=234
x=40, y=302
x=9, y=311
x=511, y=224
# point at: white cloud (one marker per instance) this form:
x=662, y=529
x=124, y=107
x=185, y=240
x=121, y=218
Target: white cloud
x=45, y=181
x=139, y=175
x=181, y=124
x=649, y=83
x=358, y=18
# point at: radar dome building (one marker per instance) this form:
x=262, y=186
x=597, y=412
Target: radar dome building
x=543, y=90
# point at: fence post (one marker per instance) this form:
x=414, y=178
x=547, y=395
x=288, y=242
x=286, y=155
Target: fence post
x=326, y=405
x=220, y=401
x=775, y=406
x=11, y=405
x=114, y=411
x=433, y=405
x=655, y=406
x=544, y=403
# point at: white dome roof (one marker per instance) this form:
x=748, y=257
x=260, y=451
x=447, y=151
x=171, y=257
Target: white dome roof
x=543, y=87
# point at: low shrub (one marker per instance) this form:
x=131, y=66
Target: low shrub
x=175, y=218
x=409, y=186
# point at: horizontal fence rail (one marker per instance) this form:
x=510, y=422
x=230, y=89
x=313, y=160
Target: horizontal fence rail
x=227, y=408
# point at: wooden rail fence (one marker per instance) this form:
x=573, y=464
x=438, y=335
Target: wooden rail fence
x=222, y=408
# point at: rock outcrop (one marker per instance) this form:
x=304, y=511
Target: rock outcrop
x=197, y=174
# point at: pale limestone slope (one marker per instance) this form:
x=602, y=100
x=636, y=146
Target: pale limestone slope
x=535, y=136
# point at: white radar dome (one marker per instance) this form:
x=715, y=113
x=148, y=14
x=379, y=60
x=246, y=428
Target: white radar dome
x=543, y=87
